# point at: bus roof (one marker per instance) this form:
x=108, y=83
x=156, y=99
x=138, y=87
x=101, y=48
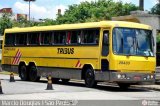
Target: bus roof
x=104, y=24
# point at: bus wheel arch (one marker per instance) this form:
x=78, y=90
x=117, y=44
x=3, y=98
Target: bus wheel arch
x=23, y=71
x=89, y=76
x=33, y=74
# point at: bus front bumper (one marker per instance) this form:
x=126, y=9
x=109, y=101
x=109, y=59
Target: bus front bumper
x=131, y=77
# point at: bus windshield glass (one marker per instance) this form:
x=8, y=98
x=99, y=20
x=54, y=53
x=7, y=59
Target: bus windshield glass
x=127, y=41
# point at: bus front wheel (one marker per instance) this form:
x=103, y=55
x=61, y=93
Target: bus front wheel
x=23, y=73
x=33, y=74
x=90, y=78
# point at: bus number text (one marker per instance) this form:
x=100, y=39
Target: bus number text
x=65, y=50
x=124, y=62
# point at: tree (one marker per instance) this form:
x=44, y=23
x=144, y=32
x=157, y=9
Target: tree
x=46, y=22
x=21, y=22
x=95, y=11
x=5, y=22
x=156, y=9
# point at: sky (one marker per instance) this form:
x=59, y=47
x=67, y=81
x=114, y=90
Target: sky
x=41, y=9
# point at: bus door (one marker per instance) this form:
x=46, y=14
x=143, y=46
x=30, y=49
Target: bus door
x=105, y=54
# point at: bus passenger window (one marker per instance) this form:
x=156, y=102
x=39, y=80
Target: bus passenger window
x=33, y=38
x=9, y=39
x=75, y=37
x=68, y=38
x=60, y=37
x=46, y=38
x=90, y=36
x=21, y=39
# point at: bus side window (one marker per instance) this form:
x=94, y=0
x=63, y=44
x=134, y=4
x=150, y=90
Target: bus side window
x=105, y=44
x=60, y=37
x=90, y=36
x=52, y=38
x=33, y=38
x=9, y=39
x=46, y=38
x=69, y=34
x=21, y=39
x=75, y=37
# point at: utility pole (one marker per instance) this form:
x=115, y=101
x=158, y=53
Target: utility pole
x=29, y=7
x=141, y=5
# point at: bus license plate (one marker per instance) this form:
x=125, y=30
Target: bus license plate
x=137, y=78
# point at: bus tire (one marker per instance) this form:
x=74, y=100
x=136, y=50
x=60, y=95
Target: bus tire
x=65, y=80
x=23, y=74
x=33, y=73
x=90, y=78
x=123, y=86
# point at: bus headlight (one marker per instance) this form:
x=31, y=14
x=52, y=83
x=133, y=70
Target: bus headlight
x=152, y=76
x=123, y=76
x=148, y=76
x=119, y=76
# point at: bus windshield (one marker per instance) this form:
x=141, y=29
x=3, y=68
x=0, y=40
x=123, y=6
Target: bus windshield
x=128, y=41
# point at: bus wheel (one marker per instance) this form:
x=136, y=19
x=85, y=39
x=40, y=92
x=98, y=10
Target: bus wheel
x=90, y=78
x=123, y=86
x=23, y=73
x=65, y=80
x=33, y=74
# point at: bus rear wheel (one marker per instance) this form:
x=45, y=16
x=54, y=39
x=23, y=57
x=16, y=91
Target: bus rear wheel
x=33, y=74
x=90, y=78
x=23, y=73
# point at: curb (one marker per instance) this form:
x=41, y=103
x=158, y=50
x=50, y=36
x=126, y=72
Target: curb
x=146, y=87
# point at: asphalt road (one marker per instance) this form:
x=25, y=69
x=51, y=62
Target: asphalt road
x=76, y=90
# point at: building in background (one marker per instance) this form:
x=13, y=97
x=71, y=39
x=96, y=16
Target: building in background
x=6, y=10
x=13, y=16
x=19, y=16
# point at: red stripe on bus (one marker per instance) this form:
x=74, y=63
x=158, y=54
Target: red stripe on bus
x=77, y=63
x=15, y=57
x=18, y=58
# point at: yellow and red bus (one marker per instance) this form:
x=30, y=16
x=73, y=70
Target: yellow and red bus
x=111, y=51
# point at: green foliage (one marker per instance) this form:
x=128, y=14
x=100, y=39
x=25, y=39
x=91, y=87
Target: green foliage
x=5, y=22
x=46, y=22
x=21, y=22
x=95, y=11
x=156, y=9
